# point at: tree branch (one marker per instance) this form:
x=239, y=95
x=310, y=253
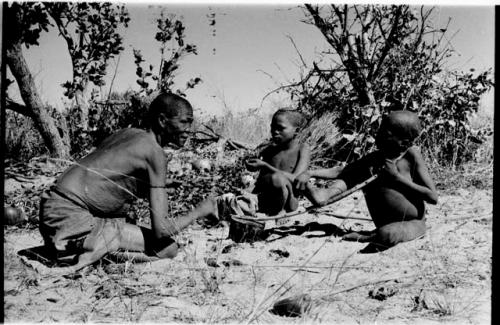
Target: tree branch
x=388, y=44
x=18, y=108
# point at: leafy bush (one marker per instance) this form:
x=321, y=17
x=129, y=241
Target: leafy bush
x=247, y=127
x=22, y=140
x=120, y=111
x=391, y=57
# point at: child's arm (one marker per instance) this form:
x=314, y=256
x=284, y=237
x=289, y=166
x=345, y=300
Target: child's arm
x=355, y=172
x=325, y=173
x=300, y=167
x=303, y=161
x=422, y=185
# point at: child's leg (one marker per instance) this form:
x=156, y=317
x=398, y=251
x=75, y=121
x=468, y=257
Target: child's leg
x=320, y=196
x=360, y=236
x=398, y=232
x=277, y=195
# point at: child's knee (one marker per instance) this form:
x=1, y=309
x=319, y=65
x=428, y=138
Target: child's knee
x=278, y=180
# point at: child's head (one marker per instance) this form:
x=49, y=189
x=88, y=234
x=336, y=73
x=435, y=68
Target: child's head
x=397, y=132
x=171, y=117
x=285, y=125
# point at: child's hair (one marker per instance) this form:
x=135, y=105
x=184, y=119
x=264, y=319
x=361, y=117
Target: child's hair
x=405, y=124
x=295, y=117
x=169, y=104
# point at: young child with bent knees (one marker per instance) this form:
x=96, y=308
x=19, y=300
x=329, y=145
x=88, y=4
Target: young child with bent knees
x=396, y=198
x=279, y=163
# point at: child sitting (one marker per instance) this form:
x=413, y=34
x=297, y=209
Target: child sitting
x=280, y=162
x=396, y=198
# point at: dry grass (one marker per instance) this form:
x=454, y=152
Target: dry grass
x=443, y=277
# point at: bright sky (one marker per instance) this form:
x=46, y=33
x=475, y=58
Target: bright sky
x=253, y=54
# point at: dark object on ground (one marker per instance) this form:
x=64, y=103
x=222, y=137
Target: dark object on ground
x=13, y=216
x=279, y=252
x=211, y=261
x=228, y=248
x=382, y=293
x=245, y=230
x=232, y=262
x=292, y=307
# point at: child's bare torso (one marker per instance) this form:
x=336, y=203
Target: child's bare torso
x=113, y=174
x=387, y=201
x=282, y=159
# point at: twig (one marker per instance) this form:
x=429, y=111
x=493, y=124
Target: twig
x=312, y=208
x=366, y=284
x=216, y=137
x=344, y=217
x=114, y=76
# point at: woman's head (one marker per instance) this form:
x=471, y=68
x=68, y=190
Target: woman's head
x=171, y=117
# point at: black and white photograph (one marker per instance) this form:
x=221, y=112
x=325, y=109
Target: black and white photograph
x=247, y=162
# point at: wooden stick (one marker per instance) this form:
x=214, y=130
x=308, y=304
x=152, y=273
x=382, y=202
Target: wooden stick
x=332, y=200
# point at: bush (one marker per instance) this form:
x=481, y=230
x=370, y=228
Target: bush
x=22, y=140
x=407, y=70
x=248, y=127
x=120, y=111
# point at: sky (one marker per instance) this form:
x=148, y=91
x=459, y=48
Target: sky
x=250, y=54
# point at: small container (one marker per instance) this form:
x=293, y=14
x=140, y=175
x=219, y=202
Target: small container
x=244, y=230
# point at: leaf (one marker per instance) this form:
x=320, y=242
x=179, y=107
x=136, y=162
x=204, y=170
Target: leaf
x=349, y=137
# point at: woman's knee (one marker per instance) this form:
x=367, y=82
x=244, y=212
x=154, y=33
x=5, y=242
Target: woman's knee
x=169, y=251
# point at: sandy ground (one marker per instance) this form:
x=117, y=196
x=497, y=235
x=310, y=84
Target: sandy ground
x=444, y=277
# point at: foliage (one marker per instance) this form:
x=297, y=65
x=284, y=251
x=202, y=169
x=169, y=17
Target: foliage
x=26, y=22
x=246, y=127
x=173, y=48
x=121, y=110
x=385, y=58
x=22, y=141
x=90, y=30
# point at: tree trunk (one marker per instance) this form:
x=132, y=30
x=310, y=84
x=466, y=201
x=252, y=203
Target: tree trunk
x=81, y=100
x=43, y=121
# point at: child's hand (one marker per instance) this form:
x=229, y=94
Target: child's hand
x=390, y=169
x=302, y=180
x=254, y=164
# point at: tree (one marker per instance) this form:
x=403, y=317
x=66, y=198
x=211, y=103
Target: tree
x=90, y=31
x=173, y=48
x=384, y=58
x=26, y=22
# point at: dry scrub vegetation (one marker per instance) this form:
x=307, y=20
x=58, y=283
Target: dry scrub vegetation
x=443, y=277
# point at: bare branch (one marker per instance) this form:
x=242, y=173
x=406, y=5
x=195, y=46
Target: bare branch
x=297, y=50
x=389, y=43
x=18, y=108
